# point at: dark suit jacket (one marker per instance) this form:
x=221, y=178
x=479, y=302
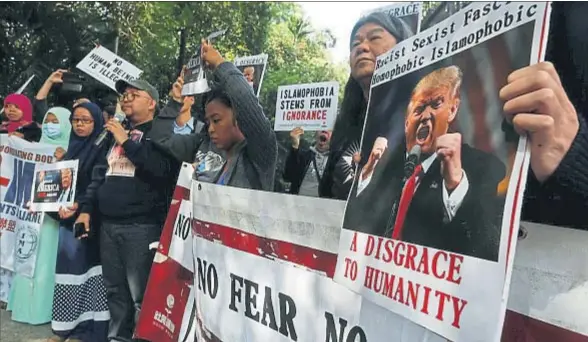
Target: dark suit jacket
x=475, y=229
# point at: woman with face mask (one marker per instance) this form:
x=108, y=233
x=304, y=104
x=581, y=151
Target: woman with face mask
x=30, y=299
x=80, y=318
x=56, y=130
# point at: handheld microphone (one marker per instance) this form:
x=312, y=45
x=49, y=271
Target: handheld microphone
x=412, y=160
x=119, y=116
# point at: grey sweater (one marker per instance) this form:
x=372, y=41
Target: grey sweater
x=254, y=162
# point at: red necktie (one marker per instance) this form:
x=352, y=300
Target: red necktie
x=405, y=199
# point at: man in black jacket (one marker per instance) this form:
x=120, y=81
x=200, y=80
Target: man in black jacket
x=305, y=164
x=132, y=195
x=445, y=197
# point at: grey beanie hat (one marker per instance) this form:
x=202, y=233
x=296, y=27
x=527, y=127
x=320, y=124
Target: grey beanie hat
x=395, y=26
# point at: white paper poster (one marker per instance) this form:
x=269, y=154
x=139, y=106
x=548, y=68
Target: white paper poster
x=312, y=107
x=107, y=68
x=54, y=186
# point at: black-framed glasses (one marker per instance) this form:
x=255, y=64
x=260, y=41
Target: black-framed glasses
x=130, y=97
x=84, y=121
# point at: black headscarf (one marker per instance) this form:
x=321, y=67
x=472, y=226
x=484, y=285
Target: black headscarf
x=349, y=124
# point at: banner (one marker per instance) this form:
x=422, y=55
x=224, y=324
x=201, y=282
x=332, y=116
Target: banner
x=107, y=68
x=253, y=68
x=166, y=316
x=312, y=106
x=19, y=227
x=263, y=265
x=409, y=12
x=55, y=186
x=428, y=228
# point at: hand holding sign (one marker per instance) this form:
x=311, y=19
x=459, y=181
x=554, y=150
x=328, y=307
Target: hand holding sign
x=211, y=57
x=537, y=105
x=65, y=213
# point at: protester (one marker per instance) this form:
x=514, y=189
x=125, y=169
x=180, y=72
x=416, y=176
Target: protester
x=237, y=129
x=305, y=164
x=31, y=299
x=56, y=129
x=131, y=193
x=371, y=36
x=78, y=269
x=18, y=112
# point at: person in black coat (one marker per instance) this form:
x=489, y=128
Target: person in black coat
x=306, y=163
x=454, y=184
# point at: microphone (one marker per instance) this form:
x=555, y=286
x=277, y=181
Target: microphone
x=119, y=116
x=412, y=160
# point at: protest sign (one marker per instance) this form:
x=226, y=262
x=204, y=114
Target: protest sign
x=194, y=77
x=19, y=227
x=431, y=238
x=166, y=316
x=253, y=68
x=195, y=81
x=312, y=106
x=107, y=68
x=55, y=186
x=409, y=12
x=248, y=241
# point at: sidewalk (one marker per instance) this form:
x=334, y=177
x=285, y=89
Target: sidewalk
x=17, y=332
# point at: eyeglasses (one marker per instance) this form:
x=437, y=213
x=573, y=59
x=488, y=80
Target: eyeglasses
x=84, y=121
x=130, y=97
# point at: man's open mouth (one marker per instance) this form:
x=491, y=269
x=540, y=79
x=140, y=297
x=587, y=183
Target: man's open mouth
x=423, y=133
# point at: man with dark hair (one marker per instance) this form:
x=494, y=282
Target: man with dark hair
x=132, y=193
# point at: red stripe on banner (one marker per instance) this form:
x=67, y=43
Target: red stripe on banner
x=514, y=205
x=4, y=181
x=521, y=328
x=165, y=239
x=543, y=37
x=268, y=248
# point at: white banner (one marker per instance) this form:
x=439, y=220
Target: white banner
x=263, y=263
x=19, y=227
x=107, y=68
x=310, y=106
x=409, y=12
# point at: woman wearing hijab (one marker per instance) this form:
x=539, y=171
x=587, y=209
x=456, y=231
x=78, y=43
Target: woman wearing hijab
x=30, y=299
x=80, y=318
x=18, y=118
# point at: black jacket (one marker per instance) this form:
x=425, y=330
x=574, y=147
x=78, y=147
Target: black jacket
x=143, y=198
x=297, y=164
x=475, y=229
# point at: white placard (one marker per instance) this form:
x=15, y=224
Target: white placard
x=107, y=68
x=312, y=106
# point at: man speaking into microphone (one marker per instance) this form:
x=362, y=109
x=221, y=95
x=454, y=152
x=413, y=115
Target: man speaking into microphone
x=131, y=193
x=444, y=194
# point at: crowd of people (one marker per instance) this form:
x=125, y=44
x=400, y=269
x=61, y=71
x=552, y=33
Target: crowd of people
x=124, y=185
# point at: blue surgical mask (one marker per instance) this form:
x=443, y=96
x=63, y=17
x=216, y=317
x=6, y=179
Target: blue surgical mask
x=52, y=130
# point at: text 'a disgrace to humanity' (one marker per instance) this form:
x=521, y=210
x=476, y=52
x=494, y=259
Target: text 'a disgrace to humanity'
x=410, y=54
x=438, y=264
x=259, y=304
